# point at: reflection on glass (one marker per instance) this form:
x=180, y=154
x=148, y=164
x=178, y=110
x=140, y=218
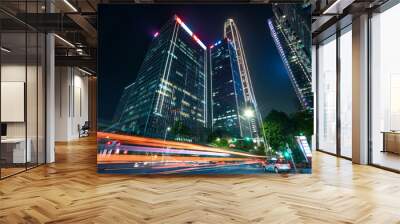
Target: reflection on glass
x=41, y=99
x=31, y=100
x=385, y=89
x=327, y=96
x=22, y=92
x=13, y=86
x=346, y=93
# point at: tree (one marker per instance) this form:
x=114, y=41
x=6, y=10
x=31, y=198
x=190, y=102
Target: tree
x=219, y=138
x=303, y=123
x=180, y=129
x=278, y=129
x=218, y=133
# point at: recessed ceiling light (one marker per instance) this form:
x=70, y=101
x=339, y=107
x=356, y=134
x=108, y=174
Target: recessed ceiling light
x=84, y=71
x=64, y=40
x=5, y=50
x=70, y=5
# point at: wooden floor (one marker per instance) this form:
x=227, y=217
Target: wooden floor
x=70, y=191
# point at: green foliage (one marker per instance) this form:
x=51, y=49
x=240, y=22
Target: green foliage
x=281, y=128
x=218, y=133
x=303, y=123
x=277, y=127
x=181, y=130
x=221, y=142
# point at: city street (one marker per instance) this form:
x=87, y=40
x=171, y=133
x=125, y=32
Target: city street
x=171, y=168
x=140, y=155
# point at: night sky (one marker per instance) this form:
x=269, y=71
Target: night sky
x=125, y=32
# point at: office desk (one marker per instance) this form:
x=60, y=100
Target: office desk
x=13, y=150
x=391, y=141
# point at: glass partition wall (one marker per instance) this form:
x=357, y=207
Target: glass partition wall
x=334, y=84
x=345, y=92
x=385, y=89
x=334, y=94
x=326, y=88
x=22, y=77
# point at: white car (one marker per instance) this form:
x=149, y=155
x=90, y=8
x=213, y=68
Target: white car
x=277, y=166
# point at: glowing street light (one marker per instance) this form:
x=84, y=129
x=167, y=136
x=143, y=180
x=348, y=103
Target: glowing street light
x=166, y=132
x=248, y=113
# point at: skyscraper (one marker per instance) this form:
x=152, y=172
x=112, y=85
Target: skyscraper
x=228, y=100
x=122, y=102
x=170, y=87
x=232, y=33
x=292, y=36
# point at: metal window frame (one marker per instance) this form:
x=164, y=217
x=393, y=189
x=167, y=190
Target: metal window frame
x=338, y=33
x=381, y=9
x=44, y=74
x=389, y=4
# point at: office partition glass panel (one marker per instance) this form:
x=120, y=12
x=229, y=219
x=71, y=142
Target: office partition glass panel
x=346, y=92
x=31, y=96
x=327, y=95
x=41, y=79
x=22, y=88
x=385, y=89
x=14, y=151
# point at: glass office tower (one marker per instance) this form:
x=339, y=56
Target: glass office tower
x=228, y=101
x=170, y=88
x=122, y=103
x=290, y=30
x=232, y=33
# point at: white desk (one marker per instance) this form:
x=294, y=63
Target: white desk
x=19, y=153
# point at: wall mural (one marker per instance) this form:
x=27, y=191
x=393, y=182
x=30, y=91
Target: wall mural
x=204, y=89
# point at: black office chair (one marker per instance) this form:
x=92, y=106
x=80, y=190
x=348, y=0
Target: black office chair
x=84, y=130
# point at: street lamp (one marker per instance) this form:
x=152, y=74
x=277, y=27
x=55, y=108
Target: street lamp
x=166, y=132
x=248, y=113
x=165, y=138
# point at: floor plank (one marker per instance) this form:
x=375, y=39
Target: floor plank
x=70, y=191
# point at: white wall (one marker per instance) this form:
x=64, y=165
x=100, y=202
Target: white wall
x=33, y=126
x=71, y=102
x=17, y=73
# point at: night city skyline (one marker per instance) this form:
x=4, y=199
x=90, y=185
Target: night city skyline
x=266, y=68
x=198, y=90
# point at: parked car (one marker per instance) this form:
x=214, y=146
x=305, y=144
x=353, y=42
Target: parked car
x=277, y=166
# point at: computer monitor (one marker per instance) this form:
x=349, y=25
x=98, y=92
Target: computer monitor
x=3, y=129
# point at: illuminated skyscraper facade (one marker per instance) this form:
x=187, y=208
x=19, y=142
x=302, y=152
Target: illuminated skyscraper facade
x=228, y=100
x=122, y=102
x=292, y=36
x=171, y=86
x=231, y=32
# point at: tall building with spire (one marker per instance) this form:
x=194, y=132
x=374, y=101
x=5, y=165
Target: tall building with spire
x=231, y=32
